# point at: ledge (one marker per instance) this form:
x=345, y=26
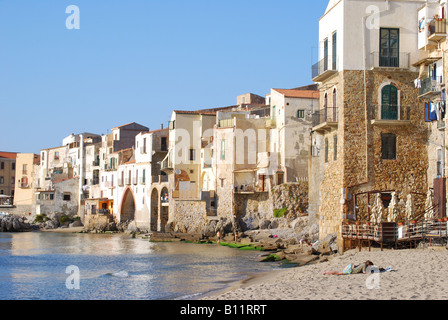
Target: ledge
x=324, y=75
x=325, y=126
x=390, y=122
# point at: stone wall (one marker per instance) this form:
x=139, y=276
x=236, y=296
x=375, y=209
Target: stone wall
x=359, y=166
x=189, y=216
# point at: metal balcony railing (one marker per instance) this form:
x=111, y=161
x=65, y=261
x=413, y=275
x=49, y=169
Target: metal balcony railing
x=430, y=85
x=325, y=115
x=390, y=60
x=326, y=66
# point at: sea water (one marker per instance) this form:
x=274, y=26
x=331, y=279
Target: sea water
x=72, y=266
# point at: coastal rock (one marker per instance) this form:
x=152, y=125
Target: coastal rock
x=264, y=224
x=51, y=224
x=76, y=224
x=209, y=229
x=14, y=224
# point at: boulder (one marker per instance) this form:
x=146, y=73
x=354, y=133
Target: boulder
x=75, y=224
x=264, y=224
x=209, y=229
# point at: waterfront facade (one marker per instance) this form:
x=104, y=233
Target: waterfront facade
x=371, y=120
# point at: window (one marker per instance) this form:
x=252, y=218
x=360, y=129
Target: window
x=326, y=150
x=335, y=96
x=389, y=146
x=24, y=169
x=144, y=145
x=192, y=155
x=13, y=166
x=66, y=197
x=301, y=114
x=56, y=155
x=2, y=180
x=2, y=165
x=223, y=149
x=326, y=54
x=439, y=163
x=389, y=103
x=144, y=176
x=335, y=148
x=334, y=51
x=163, y=144
x=389, y=47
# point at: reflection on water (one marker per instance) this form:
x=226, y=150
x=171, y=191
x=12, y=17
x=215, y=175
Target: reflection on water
x=33, y=266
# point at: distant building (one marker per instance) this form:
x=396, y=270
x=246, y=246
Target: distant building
x=27, y=165
x=7, y=173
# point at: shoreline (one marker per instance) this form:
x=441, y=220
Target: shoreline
x=410, y=280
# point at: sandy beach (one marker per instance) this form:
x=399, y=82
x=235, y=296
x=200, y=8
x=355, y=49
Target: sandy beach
x=421, y=274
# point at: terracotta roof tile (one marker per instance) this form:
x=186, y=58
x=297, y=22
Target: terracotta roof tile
x=291, y=93
x=8, y=155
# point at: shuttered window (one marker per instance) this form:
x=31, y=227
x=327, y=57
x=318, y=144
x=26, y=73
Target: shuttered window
x=389, y=146
x=326, y=150
x=389, y=103
x=335, y=148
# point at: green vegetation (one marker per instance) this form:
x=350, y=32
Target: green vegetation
x=280, y=213
x=41, y=218
x=63, y=219
x=271, y=258
x=240, y=246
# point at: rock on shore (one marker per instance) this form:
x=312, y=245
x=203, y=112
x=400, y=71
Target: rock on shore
x=9, y=223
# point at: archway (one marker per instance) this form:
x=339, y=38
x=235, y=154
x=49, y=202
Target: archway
x=127, y=212
x=164, y=205
x=154, y=209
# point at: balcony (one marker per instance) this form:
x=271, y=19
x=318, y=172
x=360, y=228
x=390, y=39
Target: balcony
x=227, y=123
x=325, y=120
x=245, y=189
x=110, y=184
x=430, y=86
x=324, y=69
x=167, y=163
x=271, y=123
x=437, y=30
x=142, y=180
x=389, y=115
x=400, y=60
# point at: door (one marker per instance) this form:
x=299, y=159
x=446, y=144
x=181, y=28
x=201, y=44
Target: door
x=389, y=47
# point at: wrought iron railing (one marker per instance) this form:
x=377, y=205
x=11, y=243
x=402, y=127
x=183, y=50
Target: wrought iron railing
x=391, y=60
x=326, y=64
x=325, y=115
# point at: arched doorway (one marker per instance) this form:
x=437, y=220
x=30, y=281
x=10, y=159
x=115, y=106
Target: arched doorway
x=127, y=212
x=164, y=205
x=154, y=209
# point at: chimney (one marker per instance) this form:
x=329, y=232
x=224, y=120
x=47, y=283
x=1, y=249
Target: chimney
x=161, y=126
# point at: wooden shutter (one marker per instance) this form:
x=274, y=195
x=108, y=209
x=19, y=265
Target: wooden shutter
x=389, y=146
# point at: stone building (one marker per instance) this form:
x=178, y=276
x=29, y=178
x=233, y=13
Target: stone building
x=370, y=120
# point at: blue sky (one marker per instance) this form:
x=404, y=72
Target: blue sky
x=137, y=60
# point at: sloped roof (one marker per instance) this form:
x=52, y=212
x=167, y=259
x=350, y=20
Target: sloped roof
x=8, y=155
x=292, y=93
